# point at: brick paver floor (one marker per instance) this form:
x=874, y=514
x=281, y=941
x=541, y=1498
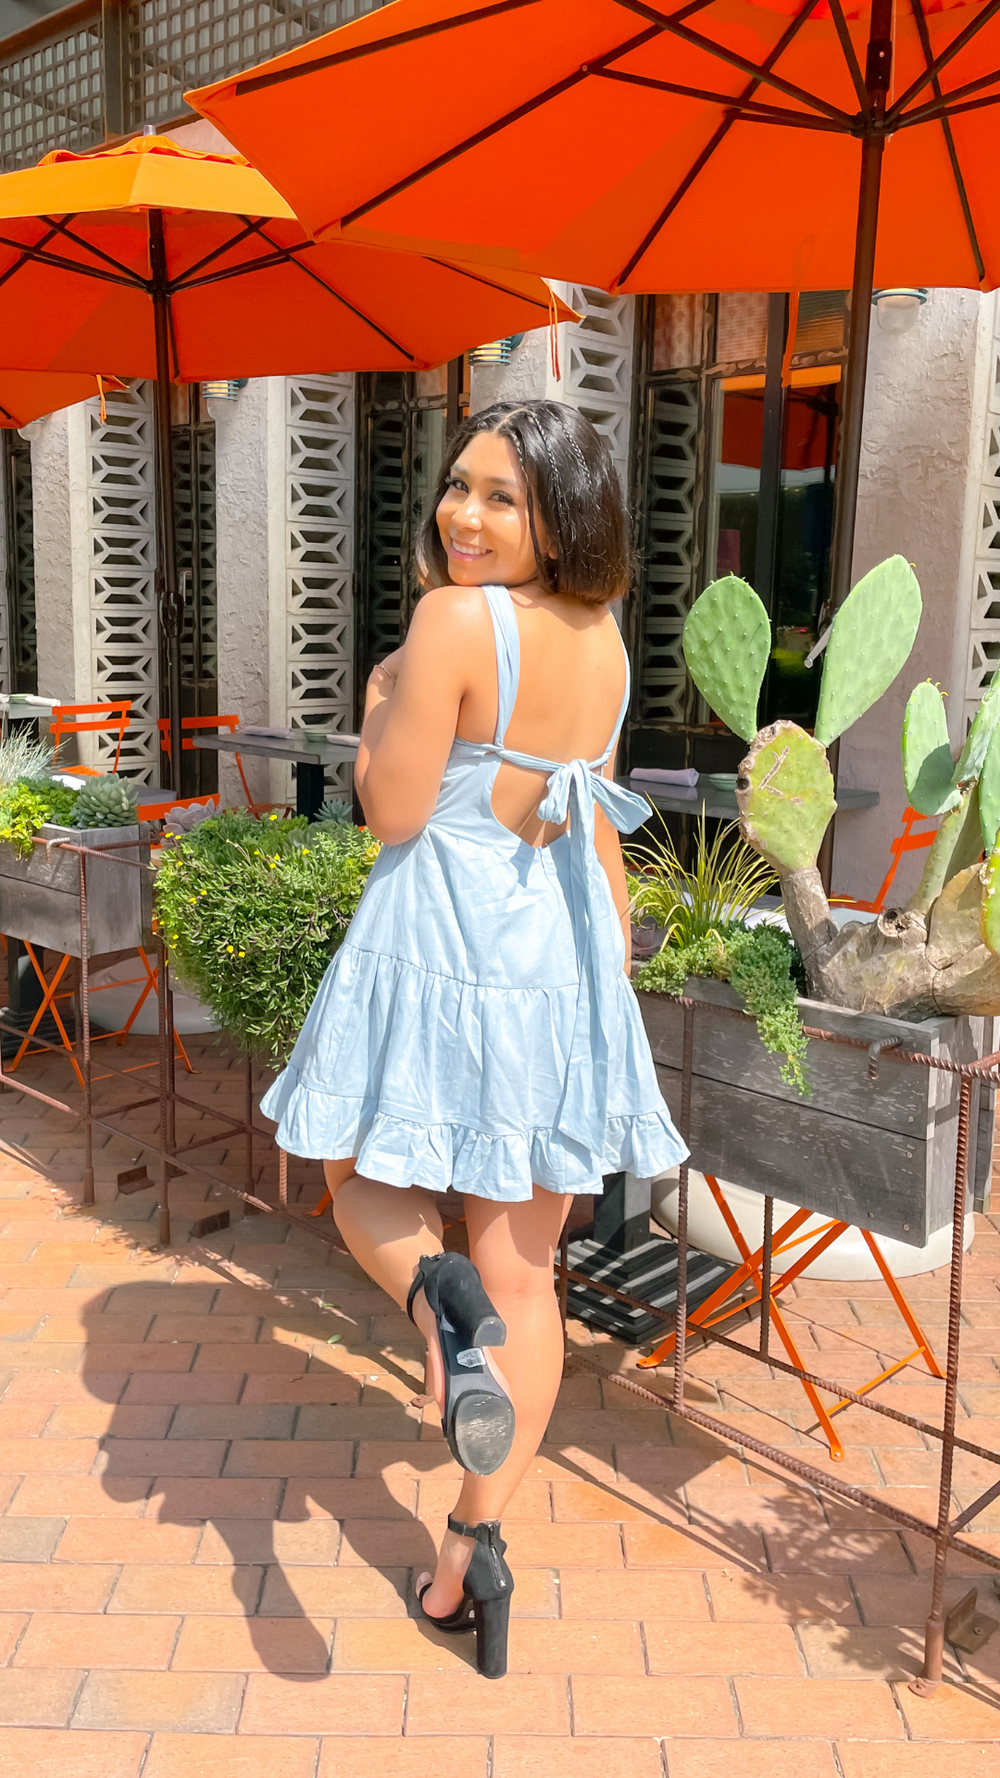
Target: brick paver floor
x=216, y=1491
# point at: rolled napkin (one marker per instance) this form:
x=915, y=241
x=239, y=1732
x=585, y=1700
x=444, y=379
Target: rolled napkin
x=656, y=775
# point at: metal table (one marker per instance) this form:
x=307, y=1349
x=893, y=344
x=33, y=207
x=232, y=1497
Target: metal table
x=310, y=757
x=721, y=805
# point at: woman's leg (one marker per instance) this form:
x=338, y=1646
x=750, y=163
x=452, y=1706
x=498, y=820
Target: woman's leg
x=513, y=1246
x=388, y=1229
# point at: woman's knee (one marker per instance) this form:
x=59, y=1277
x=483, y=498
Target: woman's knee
x=337, y=1173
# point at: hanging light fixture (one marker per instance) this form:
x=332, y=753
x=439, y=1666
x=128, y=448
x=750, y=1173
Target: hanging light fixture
x=897, y=309
x=496, y=352
x=224, y=388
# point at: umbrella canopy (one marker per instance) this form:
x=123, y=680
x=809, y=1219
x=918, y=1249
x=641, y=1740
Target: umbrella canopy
x=26, y=395
x=246, y=292
x=706, y=146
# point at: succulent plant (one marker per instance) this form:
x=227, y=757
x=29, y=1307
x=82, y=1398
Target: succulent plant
x=928, y=766
x=727, y=640
x=989, y=794
x=335, y=813
x=108, y=801
x=989, y=918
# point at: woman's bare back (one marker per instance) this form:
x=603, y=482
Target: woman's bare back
x=570, y=691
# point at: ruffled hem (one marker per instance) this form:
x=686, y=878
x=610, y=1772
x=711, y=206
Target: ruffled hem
x=326, y=1126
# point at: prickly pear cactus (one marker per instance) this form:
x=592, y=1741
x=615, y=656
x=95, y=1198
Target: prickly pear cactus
x=727, y=639
x=106, y=802
x=989, y=917
x=870, y=641
x=785, y=794
x=977, y=742
x=928, y=767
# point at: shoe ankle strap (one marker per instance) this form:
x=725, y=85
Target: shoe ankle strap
x=461, y=1529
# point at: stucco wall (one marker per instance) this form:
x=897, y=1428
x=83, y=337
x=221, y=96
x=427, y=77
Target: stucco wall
x=924, y=419
x=51, y=513
x=242, y=572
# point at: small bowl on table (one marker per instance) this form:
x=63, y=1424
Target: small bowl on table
x=723, y=780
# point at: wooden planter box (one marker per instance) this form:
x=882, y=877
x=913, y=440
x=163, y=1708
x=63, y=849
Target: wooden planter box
x=40, y=894
x=880, y=1154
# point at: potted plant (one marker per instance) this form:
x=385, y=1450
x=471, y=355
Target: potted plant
x=40, y=883
x=926, y=977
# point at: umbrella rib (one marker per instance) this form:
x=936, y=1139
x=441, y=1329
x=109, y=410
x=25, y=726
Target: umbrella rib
x=199, y=264
x=88, y=247
x=934, y=68
x=65, y=265
x=18, y=263
x=286, y=256
x=254, y=83
x=850, y=57
x=760, y=71
x=746, y=109
x=963, y=196
x=939, y=105
x=707, y=152
x=932, y=112
x=492, y=129
x=449, y=265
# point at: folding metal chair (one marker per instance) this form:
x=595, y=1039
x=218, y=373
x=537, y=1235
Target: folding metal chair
x=202, y=724
x=88, y=719
x=907, y=841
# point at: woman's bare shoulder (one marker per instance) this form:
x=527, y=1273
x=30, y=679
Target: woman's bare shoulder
x=451, y=608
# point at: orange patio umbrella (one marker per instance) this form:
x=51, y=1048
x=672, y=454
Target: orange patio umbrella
x=27, y=395
x=184, y=267
x=773, y=145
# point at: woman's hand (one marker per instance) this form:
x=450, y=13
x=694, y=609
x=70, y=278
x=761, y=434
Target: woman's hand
x=385, y=676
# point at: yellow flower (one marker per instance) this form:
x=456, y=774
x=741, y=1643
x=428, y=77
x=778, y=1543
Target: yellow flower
x=193, y=900
x=274, y=817
x=230, y=947
x=242, y=953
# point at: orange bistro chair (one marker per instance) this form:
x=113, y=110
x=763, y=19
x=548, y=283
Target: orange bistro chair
x=204, y=723
x=84, y=719
x=907, y=841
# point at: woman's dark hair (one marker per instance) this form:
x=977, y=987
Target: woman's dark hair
x=573, y=488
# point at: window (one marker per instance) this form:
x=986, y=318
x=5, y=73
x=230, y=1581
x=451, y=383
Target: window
x=22, y=663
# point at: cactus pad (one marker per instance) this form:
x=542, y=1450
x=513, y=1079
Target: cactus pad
x=989, y=794
x=727, y=639
x=973, y=755
x=785, y=794
x=107, y=802
x=989, y=917
x=871, y=638
x=927, y=761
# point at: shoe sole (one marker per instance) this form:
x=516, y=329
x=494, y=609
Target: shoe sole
x=482, y=1431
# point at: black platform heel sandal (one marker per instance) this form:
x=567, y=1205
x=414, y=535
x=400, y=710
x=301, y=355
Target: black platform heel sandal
x=485, y=1603
x=478, y=1417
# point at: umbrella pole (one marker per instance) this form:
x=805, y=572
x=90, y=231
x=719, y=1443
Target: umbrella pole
x=169, y=600
x=877, y=75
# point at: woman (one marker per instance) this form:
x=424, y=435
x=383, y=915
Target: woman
x=476, y=1028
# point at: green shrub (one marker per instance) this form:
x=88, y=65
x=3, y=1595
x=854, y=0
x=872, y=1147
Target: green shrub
x=253, y=910
x=27, y=805
x=725, y=880
x=761, y=963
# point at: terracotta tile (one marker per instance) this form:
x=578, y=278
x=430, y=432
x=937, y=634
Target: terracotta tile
x=339, y=1704
x=572, y=1545
x=326, y=1388
x=398, y=1543
x=634, y=1594
x=161, y=1299
x=100, y=1331
x=846, y=1652
x=56, y=1385
x=46, y=1496
x=52, y=1753
x=214, y=1421
x=532, y=1704
x=63, y=1639
x=721, y=1648
x=11, y=1628
x=664, y=1546
x=739, y=1597
x=288, y=1457
x=437, y=1496
x=173, y=1387
x=210, y=1498
x=954, y=1713
x=243, y=1357
x=580, y=1502
x=24, y=1419
x=281, y=1645
x=52, y=1456
x=163, y=1457
x=379, y=1645
x=341, y=1496
x=716, y=1759
x=45, y=1586
x=27, y=1698
x=202, y=1703
x=888, y=1600
x=443, y=1755
x=390, y=1458
x=824, y=1708
x=29, y=1540
x=258, y=1540
x=531, y=1756
x=913, y=1759
x=82, y=1420
x=129, y=1540
x=843, y=1552
x=177, y=1587
x=576, y=1646
x=335, y=1592
x=239, y=1756
x=226, y=1329
x=653, y=1706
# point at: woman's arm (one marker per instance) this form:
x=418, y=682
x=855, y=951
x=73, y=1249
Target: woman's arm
x=608, y=846
x=411, y=713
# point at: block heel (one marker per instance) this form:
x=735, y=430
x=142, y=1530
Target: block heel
x=478, y=1417
x=485, y=1603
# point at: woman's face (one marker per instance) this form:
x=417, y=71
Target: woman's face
x=482, y=518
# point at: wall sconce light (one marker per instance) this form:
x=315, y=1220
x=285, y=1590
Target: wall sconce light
x=897, y=309
x=496, y=352
x=224, y=388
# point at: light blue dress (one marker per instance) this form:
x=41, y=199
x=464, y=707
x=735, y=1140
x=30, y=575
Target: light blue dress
x=476, y=1028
